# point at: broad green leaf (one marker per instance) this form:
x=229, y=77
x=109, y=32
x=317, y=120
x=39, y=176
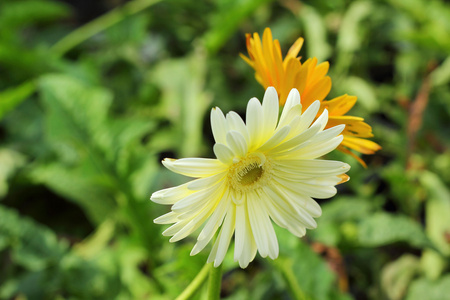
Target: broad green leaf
x=362, y=89
x=12, y=97
x=33, y=246
x=338, y=219
x=297, y=259
x=81, y=185
x=315, y=33
x=76, y=113
x=349, y=38
x=10, y=161
x=441, y=75
x=226, y=19
x=26, y=12
x=383, y=229
x=430, y=289
x=184, y=101
x=396, y=276
x=437, y=210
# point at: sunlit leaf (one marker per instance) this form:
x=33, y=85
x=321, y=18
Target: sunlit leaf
x=396, y=276
x=383, y=229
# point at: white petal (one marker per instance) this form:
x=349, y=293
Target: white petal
x=254, y=121
x=205, y=182
x=288, y=210
x=220, y=247
x=315, y=150
x=308, y=116
x=250, y=248
x=312, y=167
x=218, y=125
x=313, y=208
x=211, y=226
x=262, y=228
x=168, y=218
x=324, y=181
x=199, y=198
x=322, y=120
x=292, y=100
x=312, y=190
x=270, y=109
x=290, y=115
x=328, y=134
x=216, y=218
x=235, y=122
x=240, y=230
x=296, y=140
x=195, y=167
x=276, y=139
x=223, y=153
x=171, y=195
x=237, y=143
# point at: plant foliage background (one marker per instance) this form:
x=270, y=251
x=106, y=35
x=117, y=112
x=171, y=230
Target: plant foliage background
x=90, y=104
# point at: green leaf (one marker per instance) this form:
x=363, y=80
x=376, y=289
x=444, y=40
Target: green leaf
x=437, y=210
x=430, y=289
x=315, y=33
x=12, y=97
x=338, y=219
x=184, y=101
x=362, y=89
x=76, y=113
x=349, y=38
x=26, y=12
x=84, y=187
x=33, y=245
x=226, y=19
x=10, y=161
x=383, y=229
x=297, y=259
x=396, y=276
x=77, y=129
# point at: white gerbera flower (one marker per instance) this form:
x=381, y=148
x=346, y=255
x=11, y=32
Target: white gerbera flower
x=266, y=169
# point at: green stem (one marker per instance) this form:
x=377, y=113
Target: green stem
x=112, y=17
x=193, y=287
x=286, y=270
x=215, y=282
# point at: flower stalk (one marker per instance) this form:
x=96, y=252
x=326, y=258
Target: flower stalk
x=215, y=282
x=195, y=285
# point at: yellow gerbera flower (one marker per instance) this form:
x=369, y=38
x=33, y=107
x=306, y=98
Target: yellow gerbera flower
x=311, y=81
x=266, y=169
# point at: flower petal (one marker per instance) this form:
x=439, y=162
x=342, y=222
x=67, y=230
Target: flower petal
x=262, y=229
x=237, y=143
x=224, y=238
x=218, y=125
x=235, y=122
x=194, y=167
x=254, y=121
x=270, y=111
x=171, y=195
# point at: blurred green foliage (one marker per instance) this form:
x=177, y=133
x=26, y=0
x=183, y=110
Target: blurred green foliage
x=91, y=98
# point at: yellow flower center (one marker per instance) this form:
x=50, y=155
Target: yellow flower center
x=249, y=173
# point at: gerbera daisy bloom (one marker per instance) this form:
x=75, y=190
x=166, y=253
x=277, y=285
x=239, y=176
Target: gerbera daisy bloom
x=311, y=81
x=265, y=169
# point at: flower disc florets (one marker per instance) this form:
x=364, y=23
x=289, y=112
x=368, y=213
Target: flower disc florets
x=249, y=173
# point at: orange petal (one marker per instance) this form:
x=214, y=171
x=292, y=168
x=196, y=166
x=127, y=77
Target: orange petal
x=361, y=145
x=344, y=178
x=316, y=92
x=354, y=126
x=346, y=151
x=338, y=106
x=295, y=48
